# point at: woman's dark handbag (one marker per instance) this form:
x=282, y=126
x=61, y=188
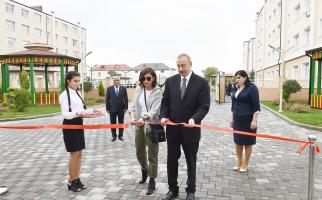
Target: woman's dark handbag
x=157, y=133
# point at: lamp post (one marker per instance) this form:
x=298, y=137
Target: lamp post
x=281, y=71
x=82, y=71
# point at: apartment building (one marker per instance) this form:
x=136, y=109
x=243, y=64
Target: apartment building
x=21, y=24
x=284, y=31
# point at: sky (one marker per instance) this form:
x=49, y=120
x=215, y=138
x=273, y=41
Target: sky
x=132, y=32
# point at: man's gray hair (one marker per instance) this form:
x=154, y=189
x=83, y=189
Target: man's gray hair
x=184, y=55
x=116, y=78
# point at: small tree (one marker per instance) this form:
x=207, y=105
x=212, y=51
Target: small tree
x=101, y=90
x=290, y=87
x=252, y=76
x=87, y=86
x=24, y=82
x=209, y=71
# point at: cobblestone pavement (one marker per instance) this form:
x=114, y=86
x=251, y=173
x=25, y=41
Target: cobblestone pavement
x=33, y=164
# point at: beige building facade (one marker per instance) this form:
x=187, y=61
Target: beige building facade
x=21, y=25
x=284, y=31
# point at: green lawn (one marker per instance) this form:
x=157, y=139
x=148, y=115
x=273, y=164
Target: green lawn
x=314, y=117
x=39, y=110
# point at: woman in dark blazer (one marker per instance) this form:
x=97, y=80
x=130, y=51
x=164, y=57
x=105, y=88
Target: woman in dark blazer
x=245, y=109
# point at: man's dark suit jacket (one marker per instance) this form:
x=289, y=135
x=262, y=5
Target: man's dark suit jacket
x=116, y=103
x=195, y=104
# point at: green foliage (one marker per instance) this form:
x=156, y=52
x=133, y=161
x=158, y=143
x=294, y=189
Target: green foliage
x=19, y=99
x=24, y=83
x=88, y=86
x=101, y=90
x=252, y=76
x=290, y=87
x=209, y=71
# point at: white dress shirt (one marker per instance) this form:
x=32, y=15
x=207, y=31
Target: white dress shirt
x=76, y=105
x=187, y=77
x=142, y=102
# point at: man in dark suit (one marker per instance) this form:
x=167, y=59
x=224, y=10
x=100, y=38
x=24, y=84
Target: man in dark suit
x=116, y=105
x=186, y=99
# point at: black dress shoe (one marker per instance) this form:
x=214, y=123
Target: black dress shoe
x=170, y=195
x=190, y=196
x=121, y=138
x=80, y=184
x=144, y=176
x=113, y=139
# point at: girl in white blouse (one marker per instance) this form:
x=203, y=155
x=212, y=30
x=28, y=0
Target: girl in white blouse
x=73, y=109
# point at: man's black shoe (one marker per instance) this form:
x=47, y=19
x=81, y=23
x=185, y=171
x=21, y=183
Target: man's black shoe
x=113, y=139
x=121, y=138
x=190, y=196
x=170, y=195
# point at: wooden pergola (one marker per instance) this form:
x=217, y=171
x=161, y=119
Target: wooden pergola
x=36, y=55
x=315, y=97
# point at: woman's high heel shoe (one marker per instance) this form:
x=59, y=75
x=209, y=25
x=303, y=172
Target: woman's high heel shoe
x=73, y=186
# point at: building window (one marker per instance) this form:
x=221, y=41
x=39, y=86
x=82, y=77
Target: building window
x=38, y=17
x=57, y=50
x=297, y=10
x=308, y=7
x=11, y=42
x=296, y=40
x=294, y=72
x=76, y=54
x=56, y=24
x=65, y=27
x=38, y=32
x=56, y=37
x=74, y=42
x=10, y=26
x=321, y=26
x=9, y=7
x=25, y=29
x=99, y=74
x=65, y=40
x=25, y=42
x=307, y=36
x=82, y=44
x=305, y=70
x=74, y=30
x=48, y=35
x=66, y=52
x=24, y=13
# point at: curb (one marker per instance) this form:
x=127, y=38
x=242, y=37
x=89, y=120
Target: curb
x=38, y=116
x=316, y=128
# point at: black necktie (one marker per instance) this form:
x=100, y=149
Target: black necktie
x=183, y=87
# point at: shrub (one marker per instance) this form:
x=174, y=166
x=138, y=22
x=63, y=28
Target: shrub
x=289, y=87
x=299, y=108
x=101, y=91
x=87, y=86
x=19, y=99
x=24, y=83
x=276, y=102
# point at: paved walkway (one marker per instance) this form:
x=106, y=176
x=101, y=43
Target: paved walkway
x=33, y=164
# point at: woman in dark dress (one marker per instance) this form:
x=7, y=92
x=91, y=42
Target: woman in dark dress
x=73, y=110
x=245, y=109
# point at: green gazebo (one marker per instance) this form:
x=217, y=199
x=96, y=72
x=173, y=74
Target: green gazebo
x=36, y=55
x=315, y=97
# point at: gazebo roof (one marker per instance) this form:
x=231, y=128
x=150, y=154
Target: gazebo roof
x=315, y=53
x=39, y=54
x=155, y=66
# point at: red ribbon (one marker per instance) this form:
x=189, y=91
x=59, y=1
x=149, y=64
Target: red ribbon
x=91, y=126
x=209, y=127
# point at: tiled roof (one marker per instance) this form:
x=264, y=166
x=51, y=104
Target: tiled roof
x=112, y=67
x=155, y=66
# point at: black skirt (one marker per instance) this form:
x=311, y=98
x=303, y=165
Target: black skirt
x=242, y=123
x=74, y=138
